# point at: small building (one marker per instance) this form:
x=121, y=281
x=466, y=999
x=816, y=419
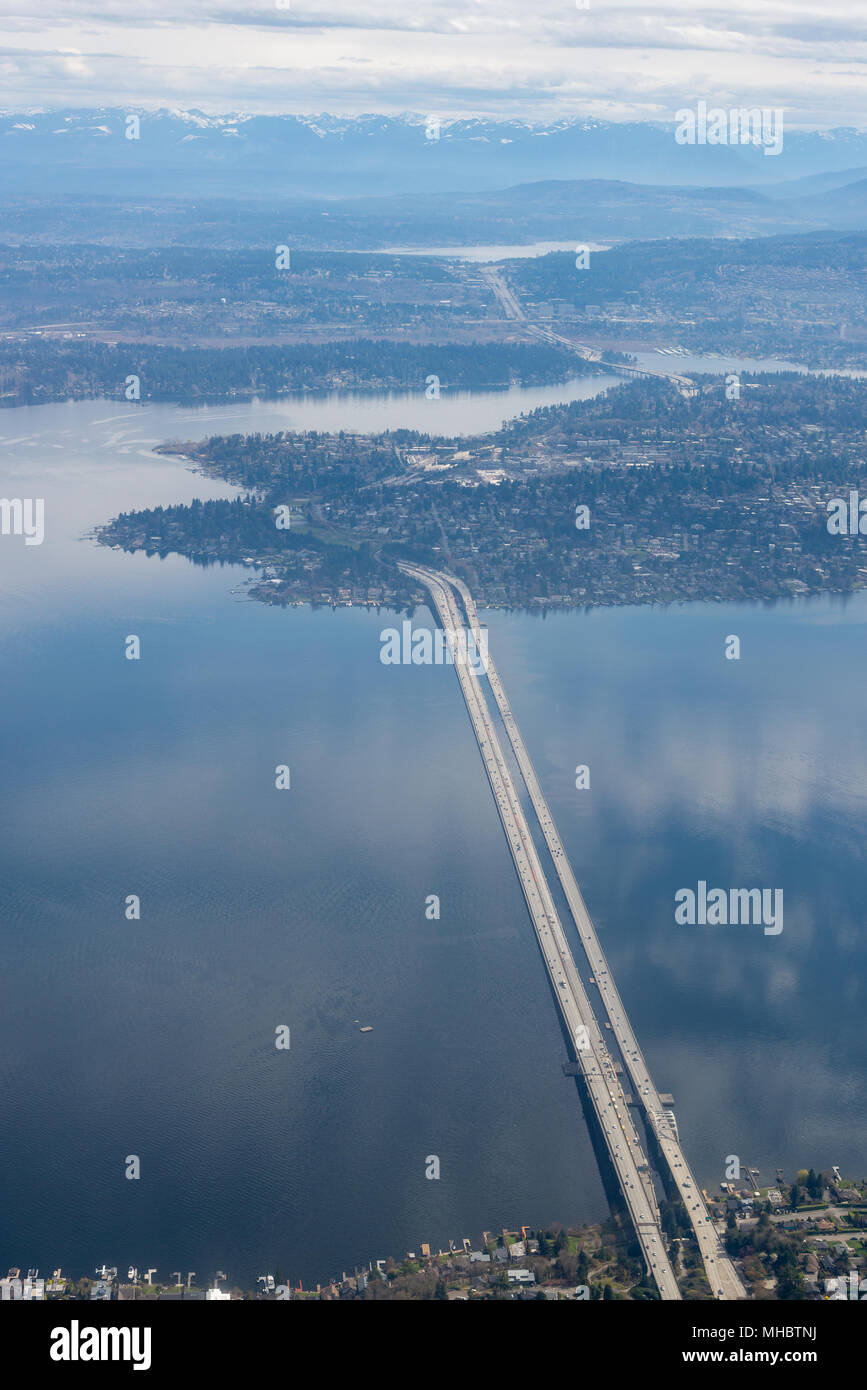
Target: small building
x=521, y=1276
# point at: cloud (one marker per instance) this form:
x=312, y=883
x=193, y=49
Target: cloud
x=75, y=66
x=497, y=57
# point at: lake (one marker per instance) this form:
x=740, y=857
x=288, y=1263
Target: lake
x=306, y=908
x=719, y=362
x=501, y=252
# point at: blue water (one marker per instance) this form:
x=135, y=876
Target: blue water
x=306, y=907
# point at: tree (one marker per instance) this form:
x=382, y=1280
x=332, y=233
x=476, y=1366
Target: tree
x=790, y=1280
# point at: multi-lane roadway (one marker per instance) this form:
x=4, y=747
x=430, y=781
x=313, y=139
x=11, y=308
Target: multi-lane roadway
x=513, y=310
x=594, y=1055
x=721, y=1273
x=603, y=1085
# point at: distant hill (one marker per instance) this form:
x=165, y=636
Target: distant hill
x=595, y=209
x=842, y=208
x=550, y=210
x=815, y=183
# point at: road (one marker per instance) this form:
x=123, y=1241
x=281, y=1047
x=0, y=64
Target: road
x=721, y=1274
x=512, y=309
x=603, y=1085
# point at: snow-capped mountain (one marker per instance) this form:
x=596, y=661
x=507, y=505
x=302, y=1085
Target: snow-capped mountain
x=191, y=154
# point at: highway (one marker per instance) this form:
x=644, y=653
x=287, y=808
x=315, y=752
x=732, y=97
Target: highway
x=512, y=309
x=721, y=1274
x=603, y=1085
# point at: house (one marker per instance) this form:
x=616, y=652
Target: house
x=521, y=1276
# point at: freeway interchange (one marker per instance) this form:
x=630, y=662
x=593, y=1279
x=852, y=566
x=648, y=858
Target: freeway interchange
x=591, y=1050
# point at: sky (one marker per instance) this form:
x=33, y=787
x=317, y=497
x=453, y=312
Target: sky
x=527, y=59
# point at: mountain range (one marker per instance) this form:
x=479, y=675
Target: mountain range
x=86, y=152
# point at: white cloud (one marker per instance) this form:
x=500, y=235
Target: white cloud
x=75, y=67
x=621, y=58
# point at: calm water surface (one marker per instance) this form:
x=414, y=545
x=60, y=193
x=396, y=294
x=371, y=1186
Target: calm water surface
x=306, y=908
x=500, y=252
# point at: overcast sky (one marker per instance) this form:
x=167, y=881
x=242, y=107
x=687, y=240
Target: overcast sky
x=618, y=59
